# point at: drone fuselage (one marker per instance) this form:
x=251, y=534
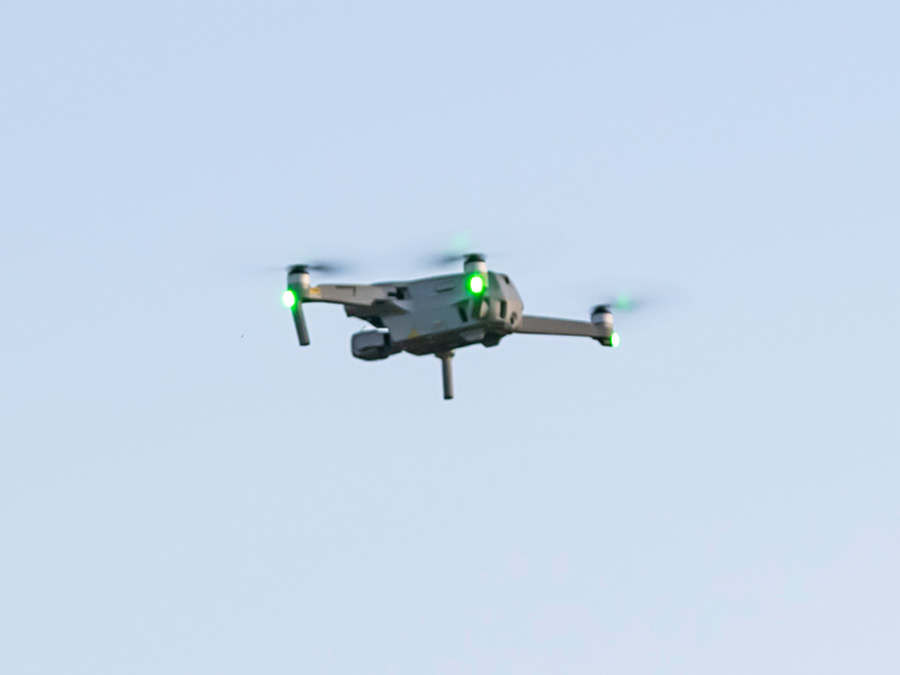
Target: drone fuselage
x=436, y=315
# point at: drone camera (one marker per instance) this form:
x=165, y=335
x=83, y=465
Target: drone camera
x=371, y=345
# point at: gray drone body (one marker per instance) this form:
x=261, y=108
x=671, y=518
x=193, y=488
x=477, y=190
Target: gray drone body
x=436, y=315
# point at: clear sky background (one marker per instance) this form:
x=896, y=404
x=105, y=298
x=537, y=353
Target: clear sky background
x=184, y=490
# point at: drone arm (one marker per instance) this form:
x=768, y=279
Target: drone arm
x=539, y=325
x=359, y=296
x=295, y=300
x=300, y=324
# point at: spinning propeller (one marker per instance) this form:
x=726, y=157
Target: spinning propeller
x=319, y=266
x=624, y=303
x=444, y=259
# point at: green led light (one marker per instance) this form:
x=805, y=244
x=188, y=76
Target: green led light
x=476, y=284
x=614, y=340
x=289, y=299
x=623, y=302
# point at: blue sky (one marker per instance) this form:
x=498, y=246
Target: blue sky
x=183, y=489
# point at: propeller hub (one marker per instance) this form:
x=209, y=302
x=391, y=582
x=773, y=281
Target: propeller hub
x=298, y=276
x=474, y=262
x=601, y=316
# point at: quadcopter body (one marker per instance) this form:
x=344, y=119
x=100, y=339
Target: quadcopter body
x=436, y=315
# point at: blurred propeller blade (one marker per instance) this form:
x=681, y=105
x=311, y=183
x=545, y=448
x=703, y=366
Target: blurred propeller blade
x=442, y=259
x=454, y=258
x=323, y=267
x=459, y=250
x=319, y=266
x=656, y=300
x=623, y=302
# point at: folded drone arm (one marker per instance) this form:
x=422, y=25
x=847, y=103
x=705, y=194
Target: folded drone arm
x=540, y=325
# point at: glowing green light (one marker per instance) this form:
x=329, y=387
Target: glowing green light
x=289, y=299
x=623, y=302
x=476, y=284
x=614, y=340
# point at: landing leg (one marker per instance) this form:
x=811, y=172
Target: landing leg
x=447, y=372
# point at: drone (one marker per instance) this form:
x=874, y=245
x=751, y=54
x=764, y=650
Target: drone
x=436, y=315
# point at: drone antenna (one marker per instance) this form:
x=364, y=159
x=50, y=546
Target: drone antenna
x=447, y=372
